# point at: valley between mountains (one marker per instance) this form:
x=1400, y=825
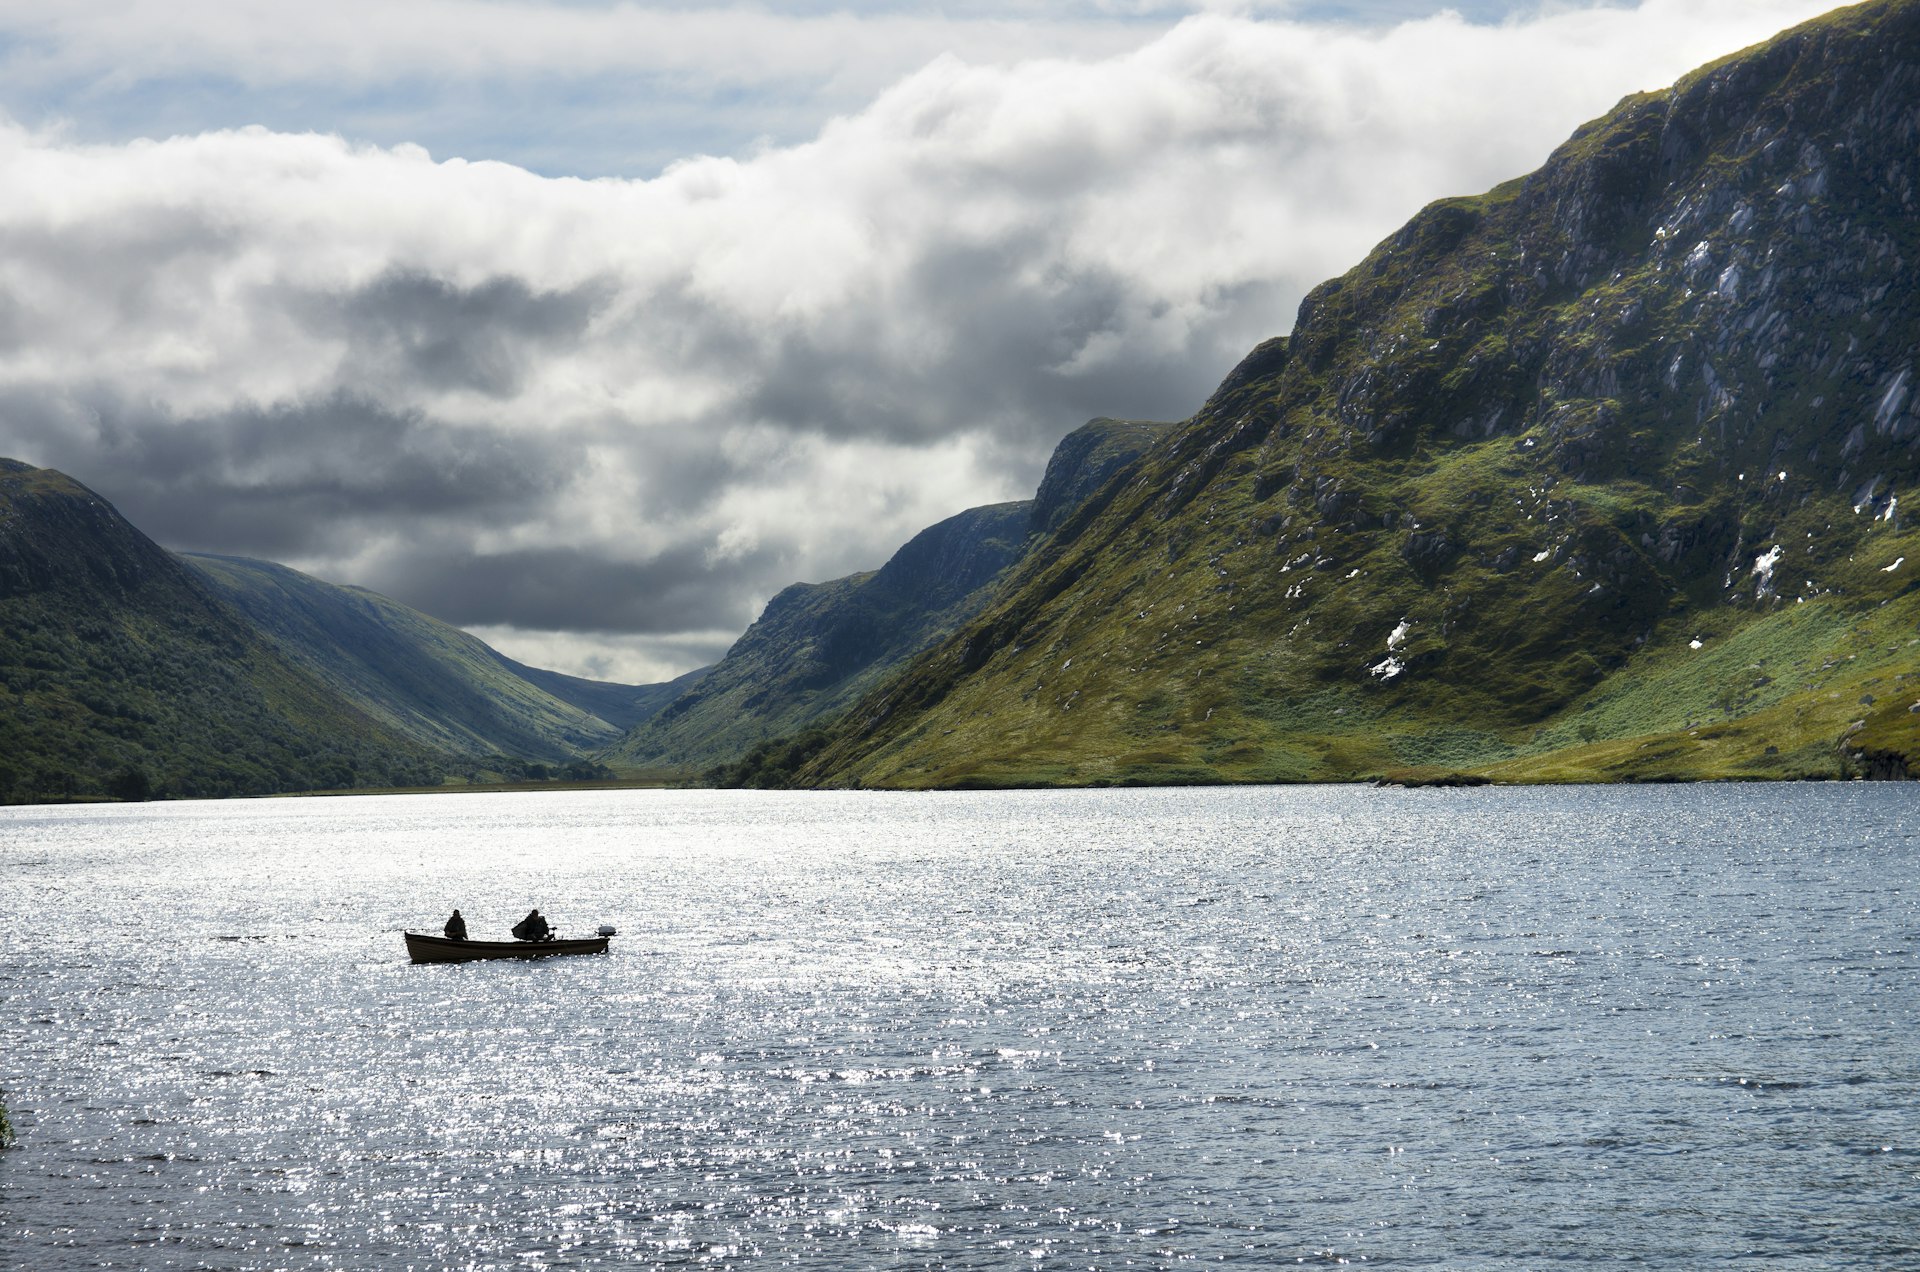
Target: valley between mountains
x=1602, y=475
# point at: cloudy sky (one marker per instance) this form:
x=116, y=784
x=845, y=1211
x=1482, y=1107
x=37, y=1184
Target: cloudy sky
x=588, y=326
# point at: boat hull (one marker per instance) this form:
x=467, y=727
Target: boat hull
x=422, y=948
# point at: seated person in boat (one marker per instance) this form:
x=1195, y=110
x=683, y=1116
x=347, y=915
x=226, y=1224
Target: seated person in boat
x=456, y=928
x=533, y=928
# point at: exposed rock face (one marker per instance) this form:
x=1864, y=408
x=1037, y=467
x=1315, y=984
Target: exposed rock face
x=1728, y=260
x=1666, y=382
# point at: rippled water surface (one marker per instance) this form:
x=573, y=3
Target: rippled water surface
x=1672, y=1027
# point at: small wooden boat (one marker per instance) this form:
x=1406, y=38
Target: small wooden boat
x=423, y=948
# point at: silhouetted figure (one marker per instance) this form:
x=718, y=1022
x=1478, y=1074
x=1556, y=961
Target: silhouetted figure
x=533, y=928
x=456, y=928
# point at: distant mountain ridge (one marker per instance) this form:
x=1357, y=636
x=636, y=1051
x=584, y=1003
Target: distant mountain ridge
x=818, y=646
x=622, y=706
x=423, y=678
x=1596, y=476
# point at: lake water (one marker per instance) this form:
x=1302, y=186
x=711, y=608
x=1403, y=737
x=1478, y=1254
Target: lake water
x=1671, y=1027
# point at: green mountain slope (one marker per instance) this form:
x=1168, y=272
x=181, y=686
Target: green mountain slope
x=121, y=672
x=1598, y=475
x=818, y=646
x=421, y=677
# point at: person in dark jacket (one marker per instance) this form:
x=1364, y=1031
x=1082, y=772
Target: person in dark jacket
x=456, y=928
x=533, y=928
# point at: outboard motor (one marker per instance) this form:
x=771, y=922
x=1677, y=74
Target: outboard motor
x=606, y=929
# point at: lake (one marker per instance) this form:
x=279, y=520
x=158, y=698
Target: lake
x=1669, y=1027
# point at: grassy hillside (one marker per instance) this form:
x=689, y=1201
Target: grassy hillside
x=419, y=676
x=121, y=674
x=1595, y=476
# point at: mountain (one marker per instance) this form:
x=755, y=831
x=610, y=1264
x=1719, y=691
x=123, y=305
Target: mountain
x=1595, y=476
x=422, y=678
x=623, y=706
x=121, y=672
x=818, y=646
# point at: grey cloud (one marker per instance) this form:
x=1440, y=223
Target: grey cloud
x=847, y=378
x=302, y=479
x=680, y=474
x=410, y=328
x=1012, y=339
x=573, y=589
x=123, y=270
x=1007, y=341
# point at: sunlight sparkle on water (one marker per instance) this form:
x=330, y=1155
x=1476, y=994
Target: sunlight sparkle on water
x=1054, y=1029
